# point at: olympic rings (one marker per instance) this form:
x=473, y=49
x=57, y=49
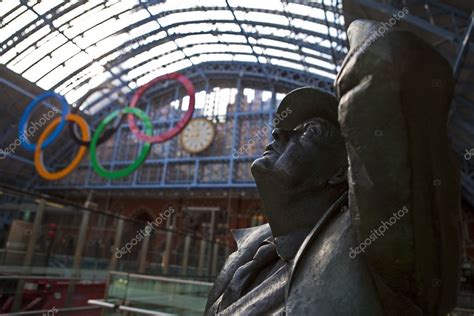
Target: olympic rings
x=141, y=157
x=180, y=125
x=39, y=164
x=102, y=133
x=109, y=132
x=22, y=130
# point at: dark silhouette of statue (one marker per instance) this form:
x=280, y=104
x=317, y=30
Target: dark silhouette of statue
x=361, y=193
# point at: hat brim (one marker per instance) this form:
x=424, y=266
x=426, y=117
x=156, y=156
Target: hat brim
x=304, y=103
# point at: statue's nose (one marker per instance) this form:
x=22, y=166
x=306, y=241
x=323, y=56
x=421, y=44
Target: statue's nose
x=280, y=134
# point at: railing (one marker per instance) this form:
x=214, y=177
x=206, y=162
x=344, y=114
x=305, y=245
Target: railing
x=153, y=295
x=462, y=312
x=60, y=311
x=48, y=295
x=34, y=254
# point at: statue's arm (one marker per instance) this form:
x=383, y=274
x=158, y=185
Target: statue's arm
x=403, y=181
x=379, y=170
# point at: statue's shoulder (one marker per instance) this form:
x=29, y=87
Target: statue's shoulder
x=324, y=275
x=326, y=271
x=248, y=240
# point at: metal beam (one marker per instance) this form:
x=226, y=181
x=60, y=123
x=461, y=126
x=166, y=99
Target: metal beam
x=246, y=35
x=19, y=36
x=69, y=40
x=265, y=75
x=149, y=46
x=122, y=47
x=417, y=21
x=16, y=157
x=464, y=48
x=15, y=39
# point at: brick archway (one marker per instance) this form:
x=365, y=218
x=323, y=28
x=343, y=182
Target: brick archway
x=143, y=212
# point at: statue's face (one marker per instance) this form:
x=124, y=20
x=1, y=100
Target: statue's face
x=312, y=151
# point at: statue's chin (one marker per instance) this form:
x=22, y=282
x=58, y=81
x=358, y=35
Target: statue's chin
x=261, y=165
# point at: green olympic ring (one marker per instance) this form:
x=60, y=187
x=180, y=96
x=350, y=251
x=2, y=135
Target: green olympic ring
x=141, y=157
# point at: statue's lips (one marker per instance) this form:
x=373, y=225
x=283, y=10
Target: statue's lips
x=270, y=150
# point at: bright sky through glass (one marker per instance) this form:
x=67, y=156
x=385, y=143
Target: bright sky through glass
x=73, y=46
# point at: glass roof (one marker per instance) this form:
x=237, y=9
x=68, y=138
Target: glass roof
x=73, y=46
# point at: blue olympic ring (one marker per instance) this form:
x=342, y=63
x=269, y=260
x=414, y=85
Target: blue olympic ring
x=22, y=132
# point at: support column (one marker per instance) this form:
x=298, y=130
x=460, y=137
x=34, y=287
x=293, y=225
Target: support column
x=29, y=255
x=215, y=254
x=143, y=252
x=464, y=47
x=185, y=264
x=202, y=257
x=235, y=132
x=76, y=267
x=165, y=263
x=117, y=244
x=166, y=255
x=212, y=234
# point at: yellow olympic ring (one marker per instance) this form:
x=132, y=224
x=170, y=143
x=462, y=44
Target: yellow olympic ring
x=39, y=164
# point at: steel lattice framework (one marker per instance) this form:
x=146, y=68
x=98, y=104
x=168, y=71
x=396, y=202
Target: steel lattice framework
x=72, y=46
x=269, y=46
x=169, y=166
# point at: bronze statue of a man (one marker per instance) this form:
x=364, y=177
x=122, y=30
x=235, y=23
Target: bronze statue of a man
x=361, y=194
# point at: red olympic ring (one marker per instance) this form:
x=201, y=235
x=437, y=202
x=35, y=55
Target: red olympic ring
x=160, y=138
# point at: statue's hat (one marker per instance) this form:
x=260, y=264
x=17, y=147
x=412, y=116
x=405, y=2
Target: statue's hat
x=304, y=103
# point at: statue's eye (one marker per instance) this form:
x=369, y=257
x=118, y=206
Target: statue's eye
x=313, y=131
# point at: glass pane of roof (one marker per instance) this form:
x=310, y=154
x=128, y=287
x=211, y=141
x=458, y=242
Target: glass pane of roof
x=267, y=4
x=260, y=16
x=13, y=15
x=6, y=7
x=30, y=41
x=10, y=28
x=75, y=13
x=203, y=38
x=194, y=16
x=42, y=7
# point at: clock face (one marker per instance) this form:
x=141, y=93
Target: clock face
x=198, y=135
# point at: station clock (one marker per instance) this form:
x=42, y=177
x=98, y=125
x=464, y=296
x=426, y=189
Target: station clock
x=198, y=135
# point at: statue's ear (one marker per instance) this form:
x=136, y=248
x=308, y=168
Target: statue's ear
x=339, y=177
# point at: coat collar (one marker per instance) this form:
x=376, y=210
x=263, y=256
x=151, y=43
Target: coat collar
x=244, y=236
x=325, y=219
